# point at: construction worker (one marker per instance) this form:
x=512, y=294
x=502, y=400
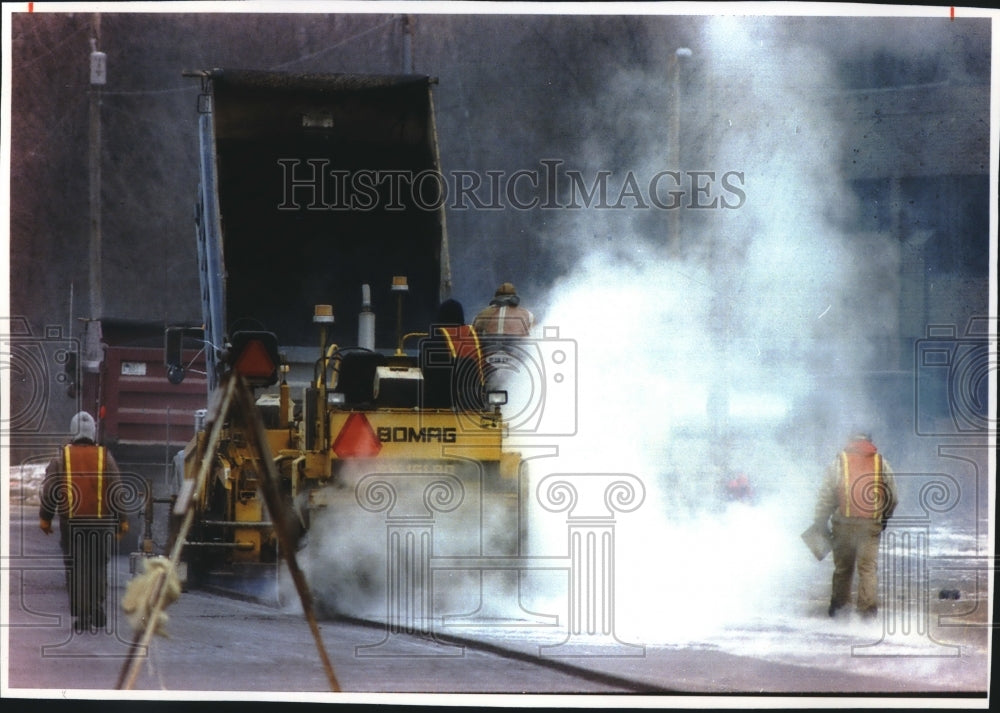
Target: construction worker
x=452, y=361
x=504, y=316
x=83, y=487
x=858, y=496
x=739, y=488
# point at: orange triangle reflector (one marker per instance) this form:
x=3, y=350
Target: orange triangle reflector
x=254, y=362
x=356, y=439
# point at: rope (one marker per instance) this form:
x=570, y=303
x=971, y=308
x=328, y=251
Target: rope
x=139, y=602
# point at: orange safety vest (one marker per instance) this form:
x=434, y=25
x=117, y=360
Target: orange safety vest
x=86, y=486
x=463, y=343
x=862, y=490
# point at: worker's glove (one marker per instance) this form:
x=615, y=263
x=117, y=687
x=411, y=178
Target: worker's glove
x=46, y=526
x=122, y=529
x=885, y=523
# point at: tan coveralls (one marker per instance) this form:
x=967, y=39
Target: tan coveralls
x=858, y=495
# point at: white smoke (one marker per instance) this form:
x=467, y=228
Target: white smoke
x=691, y=366
x=737, y=354
x=382, y=520
x=700, y=365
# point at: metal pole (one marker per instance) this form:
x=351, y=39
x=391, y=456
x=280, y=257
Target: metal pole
x=674, y=145
x=407, y=44
x=97, y=79
x=166, y=448
x=276, y=507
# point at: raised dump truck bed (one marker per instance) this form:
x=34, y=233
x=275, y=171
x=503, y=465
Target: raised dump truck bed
x=311, y=186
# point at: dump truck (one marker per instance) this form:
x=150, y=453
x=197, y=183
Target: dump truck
x=323, y=260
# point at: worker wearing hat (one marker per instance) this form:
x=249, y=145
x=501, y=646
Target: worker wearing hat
x=504, y=316
x=83, y=487
x=857, y=498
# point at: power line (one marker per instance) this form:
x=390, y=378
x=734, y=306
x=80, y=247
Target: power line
x=336, y=44
x=48, y=50
x=136, y=92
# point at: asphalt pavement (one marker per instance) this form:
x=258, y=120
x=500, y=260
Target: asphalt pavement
x=221, y=647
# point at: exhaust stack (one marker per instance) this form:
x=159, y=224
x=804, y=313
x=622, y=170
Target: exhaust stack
x=366, y=320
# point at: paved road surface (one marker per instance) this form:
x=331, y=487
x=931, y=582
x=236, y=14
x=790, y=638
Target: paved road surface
x=220, y=644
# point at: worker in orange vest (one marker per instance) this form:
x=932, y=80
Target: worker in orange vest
x=858, y=496
x=84, y=488
x=453, y=361
x=502, y=326
x=504, y=316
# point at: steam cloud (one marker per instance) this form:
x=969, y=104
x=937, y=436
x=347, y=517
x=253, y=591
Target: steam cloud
x=740, y=352
x=738, y=355
x=698, y=365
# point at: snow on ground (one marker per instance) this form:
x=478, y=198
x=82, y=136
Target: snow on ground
x=26, y=483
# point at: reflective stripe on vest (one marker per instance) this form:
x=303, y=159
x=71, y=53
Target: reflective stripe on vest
x=100, y=481
x=459, y=339
x=496, y=319
x=69, y=481
x=850, y=483
x=501, y=316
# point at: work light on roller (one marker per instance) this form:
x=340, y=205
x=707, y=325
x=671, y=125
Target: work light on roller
x=255, y=356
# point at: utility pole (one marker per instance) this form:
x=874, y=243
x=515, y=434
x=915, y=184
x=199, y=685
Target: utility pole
x=674, y=145
x=407, y=44
x=98, y=77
